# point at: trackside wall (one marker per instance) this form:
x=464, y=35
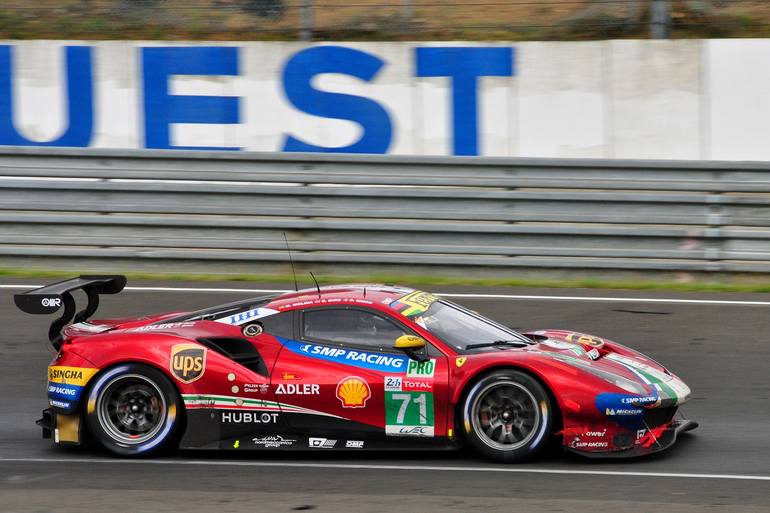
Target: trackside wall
x=687, y=99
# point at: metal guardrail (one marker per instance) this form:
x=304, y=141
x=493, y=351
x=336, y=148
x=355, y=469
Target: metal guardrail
x=205, y=207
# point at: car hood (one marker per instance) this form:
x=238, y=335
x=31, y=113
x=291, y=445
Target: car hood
x=615, y=363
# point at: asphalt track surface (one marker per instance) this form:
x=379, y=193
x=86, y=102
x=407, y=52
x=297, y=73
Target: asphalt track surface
x=721, y=349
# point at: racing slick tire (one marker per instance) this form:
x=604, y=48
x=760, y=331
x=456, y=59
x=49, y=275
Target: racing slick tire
x=133, y=409
x=507, y=416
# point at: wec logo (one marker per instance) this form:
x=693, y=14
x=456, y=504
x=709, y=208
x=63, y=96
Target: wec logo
x=188, y=362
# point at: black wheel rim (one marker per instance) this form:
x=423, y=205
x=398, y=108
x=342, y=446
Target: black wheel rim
x=505, y=415
x=131, y=409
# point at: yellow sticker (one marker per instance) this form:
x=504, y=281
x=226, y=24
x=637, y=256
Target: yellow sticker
x=353, y=392
x=460, y=361
x=586, y=340
x=70, y=375
x=418, y=302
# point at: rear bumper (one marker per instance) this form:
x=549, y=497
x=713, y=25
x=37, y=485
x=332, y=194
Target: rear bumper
x=47, y=423
x=656, y=440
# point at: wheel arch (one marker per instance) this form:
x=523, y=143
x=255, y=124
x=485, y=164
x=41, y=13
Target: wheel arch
x=95, y=378
x=86, y=407
x=558, y=418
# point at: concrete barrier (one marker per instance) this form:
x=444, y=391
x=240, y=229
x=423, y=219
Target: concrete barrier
x=681, y=99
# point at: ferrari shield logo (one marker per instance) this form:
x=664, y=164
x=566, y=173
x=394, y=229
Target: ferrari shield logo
x=460, y=361
x=188, y=362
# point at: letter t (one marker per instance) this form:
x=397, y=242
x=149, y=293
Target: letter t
x=464, y=65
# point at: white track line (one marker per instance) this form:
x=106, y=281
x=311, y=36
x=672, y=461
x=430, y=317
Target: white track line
x=511, y=470
x=613, y=299
x=172, y=289
x=600, y=299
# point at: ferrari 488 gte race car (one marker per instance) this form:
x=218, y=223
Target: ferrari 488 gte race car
x=349, y=367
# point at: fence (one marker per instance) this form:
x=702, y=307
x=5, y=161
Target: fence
x=203, y=209
x=382, y=19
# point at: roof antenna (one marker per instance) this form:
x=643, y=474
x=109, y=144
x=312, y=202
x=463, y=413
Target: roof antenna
x=316, y=284
x=293, y=272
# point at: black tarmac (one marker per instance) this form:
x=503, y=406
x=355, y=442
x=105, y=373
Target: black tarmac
x=721, y=350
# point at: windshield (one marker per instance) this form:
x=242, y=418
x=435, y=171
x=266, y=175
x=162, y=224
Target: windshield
x=460, y=327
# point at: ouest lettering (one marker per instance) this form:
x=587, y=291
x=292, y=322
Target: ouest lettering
x=160, y=106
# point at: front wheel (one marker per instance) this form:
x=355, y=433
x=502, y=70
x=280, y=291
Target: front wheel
x=507, y=416
x=133, y=409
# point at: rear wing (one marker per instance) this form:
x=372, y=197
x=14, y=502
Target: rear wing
x=49, y=299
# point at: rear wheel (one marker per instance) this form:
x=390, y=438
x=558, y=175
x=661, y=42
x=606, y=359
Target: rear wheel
x=133, y=409
x=507, y=416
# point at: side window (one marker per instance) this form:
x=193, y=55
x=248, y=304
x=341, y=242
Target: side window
x=349, y=326
x=280, y=324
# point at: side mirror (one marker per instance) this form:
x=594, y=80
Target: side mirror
x=411, y=344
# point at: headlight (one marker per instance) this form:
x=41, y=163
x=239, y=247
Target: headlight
x=628, y=385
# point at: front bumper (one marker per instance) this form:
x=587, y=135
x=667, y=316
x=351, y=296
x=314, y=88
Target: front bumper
x=656, y=440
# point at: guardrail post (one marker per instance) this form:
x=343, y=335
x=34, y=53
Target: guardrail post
x=407, y=9
x=306, y=34
x=660, y=19
x=715, y=220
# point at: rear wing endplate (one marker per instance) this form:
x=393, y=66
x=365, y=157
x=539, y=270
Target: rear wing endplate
x=49, y=299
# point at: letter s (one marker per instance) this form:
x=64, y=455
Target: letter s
x=373, y=118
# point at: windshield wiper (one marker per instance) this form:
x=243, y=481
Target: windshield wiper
x=496, y=343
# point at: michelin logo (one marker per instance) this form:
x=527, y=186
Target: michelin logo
x=621, y=411
x=362, y=359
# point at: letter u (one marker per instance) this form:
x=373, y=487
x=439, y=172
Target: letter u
x=79, y=130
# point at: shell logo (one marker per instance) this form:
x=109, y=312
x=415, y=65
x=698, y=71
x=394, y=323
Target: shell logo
x=353, y=392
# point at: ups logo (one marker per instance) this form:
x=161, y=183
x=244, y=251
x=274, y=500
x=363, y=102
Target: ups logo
x=188, y=362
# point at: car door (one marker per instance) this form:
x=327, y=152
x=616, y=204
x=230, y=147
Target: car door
x=342, y=378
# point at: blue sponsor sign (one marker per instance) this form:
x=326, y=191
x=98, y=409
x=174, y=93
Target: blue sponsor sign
x=624, y=409
x=373, y=361
x=64, y=391
x=249, y=315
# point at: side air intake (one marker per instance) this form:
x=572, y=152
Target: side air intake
x=238, y=350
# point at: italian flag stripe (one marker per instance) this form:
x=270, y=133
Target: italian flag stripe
x=202, y=401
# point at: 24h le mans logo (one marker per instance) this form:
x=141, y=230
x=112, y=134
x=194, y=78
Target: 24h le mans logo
x=188, y=362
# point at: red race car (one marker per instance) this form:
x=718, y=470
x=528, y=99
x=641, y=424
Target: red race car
x=349, y=367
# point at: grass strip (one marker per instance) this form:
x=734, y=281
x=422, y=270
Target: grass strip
x=755, y=285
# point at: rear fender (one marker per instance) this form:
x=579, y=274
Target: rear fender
x=69, y=375
x=194, y=369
